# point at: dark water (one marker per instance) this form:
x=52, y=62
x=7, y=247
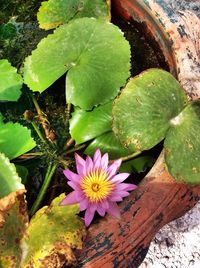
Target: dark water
x=145, y=52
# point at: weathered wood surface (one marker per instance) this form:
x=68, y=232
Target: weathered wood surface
x=159, y=199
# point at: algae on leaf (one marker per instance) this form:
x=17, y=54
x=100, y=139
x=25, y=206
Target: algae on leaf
x=182, y=145
x=142, y=112
x=52, y=235
x=13, y=223
x=53, y=13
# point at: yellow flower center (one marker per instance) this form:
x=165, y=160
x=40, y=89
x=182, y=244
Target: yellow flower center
x=96, y=186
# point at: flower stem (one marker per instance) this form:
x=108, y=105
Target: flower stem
x=76, y=149
x=37, y=107
x=69, y=143
x=38, y=131
x=28, y=155
x=128, y=157
x=68, y=111
x=50, y=171
x=42, y=119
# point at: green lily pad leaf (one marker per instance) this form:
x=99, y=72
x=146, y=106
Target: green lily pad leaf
x=182, y=145
x=139, y=164
x=11, y=82
x=15, y=140
x=51, y=13
x=108, y=143
x=13, y=223
x=9, y=179
x=22, y=172
x=52, y=234
x=142, y=113
x=86, y=125
x=86, y=48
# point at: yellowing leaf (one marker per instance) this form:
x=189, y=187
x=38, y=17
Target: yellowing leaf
x=53, y=13
x=13, y=222
x=52, y=235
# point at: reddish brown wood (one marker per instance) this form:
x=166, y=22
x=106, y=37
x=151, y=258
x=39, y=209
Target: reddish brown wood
x=124, y=243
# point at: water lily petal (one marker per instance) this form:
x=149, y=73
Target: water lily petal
x=120, y=177
x=122, y=193
x=115, y=198
x=88, y=164
x=125, y=187
x=96, y=171
x=74, y=185
x=97, y=158
x=113, y=168
x=101, y=211
x=105, y=204
x=114, y=210
x=71, y=175
x=84, y=204
x=104, y=161
x=89, y=215
x=80, y=164
x=69, y=199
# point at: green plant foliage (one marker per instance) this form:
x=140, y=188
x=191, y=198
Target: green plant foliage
x=142, y=113
x=13, y=222
x=139, y=164
x=53, y=13
x=7, y=31
x=182, y=145
x=15, y=139
x=108, y=143
x=11, y=82
x=85, y=126
x=86, y=48
x=52, y=234
x=22, y=172
x=9, y=179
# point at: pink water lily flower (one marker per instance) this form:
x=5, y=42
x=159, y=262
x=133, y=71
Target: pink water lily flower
x=97, y=186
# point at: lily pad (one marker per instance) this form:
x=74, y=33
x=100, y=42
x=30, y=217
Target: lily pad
x=86, y=125
x=11, y=82
x=52, y=235
x=182, y=145
x=143, y=111
x=13, y=223
x=9, y=179
x=51, y=13
x=108, y=143
x=15, y=139
x=86, y=48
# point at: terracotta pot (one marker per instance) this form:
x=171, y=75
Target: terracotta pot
x=159, y=199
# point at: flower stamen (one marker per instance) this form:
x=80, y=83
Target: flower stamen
x=96, y=186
